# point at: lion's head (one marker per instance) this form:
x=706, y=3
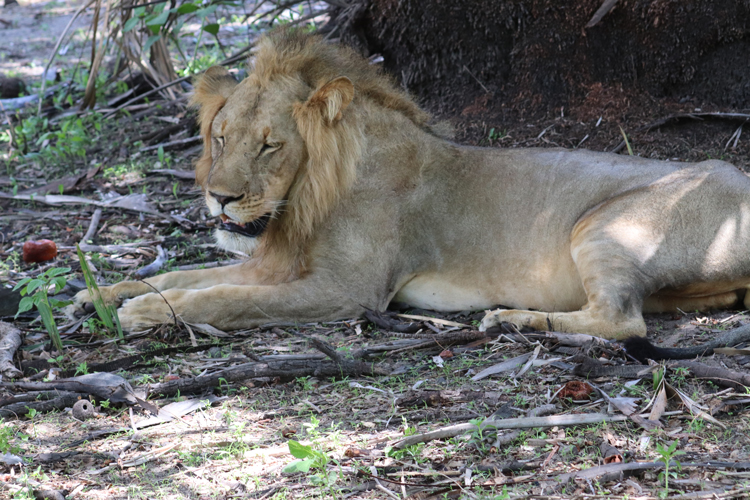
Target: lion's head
x=282, y=146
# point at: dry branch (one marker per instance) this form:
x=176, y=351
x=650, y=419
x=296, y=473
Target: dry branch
x=602, y=11
x=720, y=376
x=618, y=471
x=286, y=369
x=509, y=423
x=173, y=144
x=65, y=399
x=54, y=52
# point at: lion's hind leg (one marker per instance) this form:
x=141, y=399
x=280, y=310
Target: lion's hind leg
x=585, y=321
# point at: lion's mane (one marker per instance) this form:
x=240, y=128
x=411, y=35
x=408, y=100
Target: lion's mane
x=334, y=143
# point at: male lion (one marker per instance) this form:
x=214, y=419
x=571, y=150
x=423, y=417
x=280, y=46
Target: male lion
x=331, y=178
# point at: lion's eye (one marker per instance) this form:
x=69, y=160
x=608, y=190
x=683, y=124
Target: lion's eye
x=269, y=147
x=217, y=145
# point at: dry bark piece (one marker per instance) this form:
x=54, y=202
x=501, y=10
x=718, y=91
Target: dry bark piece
x=39, y=251
x=10, y=341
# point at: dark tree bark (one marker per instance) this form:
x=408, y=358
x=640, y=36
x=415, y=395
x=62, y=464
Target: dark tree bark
x=538, y=54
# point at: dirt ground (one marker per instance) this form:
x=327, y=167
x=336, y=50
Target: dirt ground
x=231, y=438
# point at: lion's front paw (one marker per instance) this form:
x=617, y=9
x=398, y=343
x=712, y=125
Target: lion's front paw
x=147, y=310
x=83, y=303
x=492, y=318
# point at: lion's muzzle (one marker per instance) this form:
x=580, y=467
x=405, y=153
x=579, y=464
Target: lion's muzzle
x=251, y=229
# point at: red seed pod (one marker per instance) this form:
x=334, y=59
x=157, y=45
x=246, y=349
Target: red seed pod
x=39, y=251
x=575, y=390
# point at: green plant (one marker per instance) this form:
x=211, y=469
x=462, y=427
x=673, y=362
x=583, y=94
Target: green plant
x=35, y=293
x=681, y=373
x=6, y=435
x=309, y=458
x=478, y=436
x=413, y=451
x=305, y=383
x=107, y=313
x=496, y=135
x=82, y=368
x=627, y=142
x=667, y=455
x=657, y=377
x=160, y=22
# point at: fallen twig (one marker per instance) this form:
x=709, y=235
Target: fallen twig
x=21, y=102
x=618, y=471
x=95, y=218
x=229, y=60
x=57, y=47
x=509, y=423
x=602, y=11
x=694, y=116
x=154, y=267
x=188, y=175
x=172, y=144
x=66, y=399
x=539, y=411
x=720, y=376
x=286, y=369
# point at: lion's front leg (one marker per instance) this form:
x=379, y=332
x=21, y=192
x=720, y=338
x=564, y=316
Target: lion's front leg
x=110, y=295
x=245, y=273
x=234, y=307
x=153, y=309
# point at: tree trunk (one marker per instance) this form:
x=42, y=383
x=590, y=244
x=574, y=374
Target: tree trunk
x=536, y=55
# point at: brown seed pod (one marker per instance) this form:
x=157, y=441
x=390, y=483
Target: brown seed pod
x=39, y=251
x=575, y=390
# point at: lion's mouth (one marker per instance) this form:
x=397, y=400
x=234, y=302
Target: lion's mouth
x=251, y=229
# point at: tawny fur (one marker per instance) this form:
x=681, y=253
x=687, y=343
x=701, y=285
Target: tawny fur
x=368, y=205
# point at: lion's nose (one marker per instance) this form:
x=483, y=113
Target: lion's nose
x=224, y=199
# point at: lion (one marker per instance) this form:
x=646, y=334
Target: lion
x=345, y=198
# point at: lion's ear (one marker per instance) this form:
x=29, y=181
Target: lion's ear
x=332, y=99
x=215, y=82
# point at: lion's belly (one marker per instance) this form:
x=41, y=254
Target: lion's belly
x=444, y=293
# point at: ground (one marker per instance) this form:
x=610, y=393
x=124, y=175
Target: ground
x=239, y=444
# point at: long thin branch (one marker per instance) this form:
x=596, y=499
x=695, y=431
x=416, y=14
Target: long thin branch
x=231, y=59
x=54, y=52
x=509, y=423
